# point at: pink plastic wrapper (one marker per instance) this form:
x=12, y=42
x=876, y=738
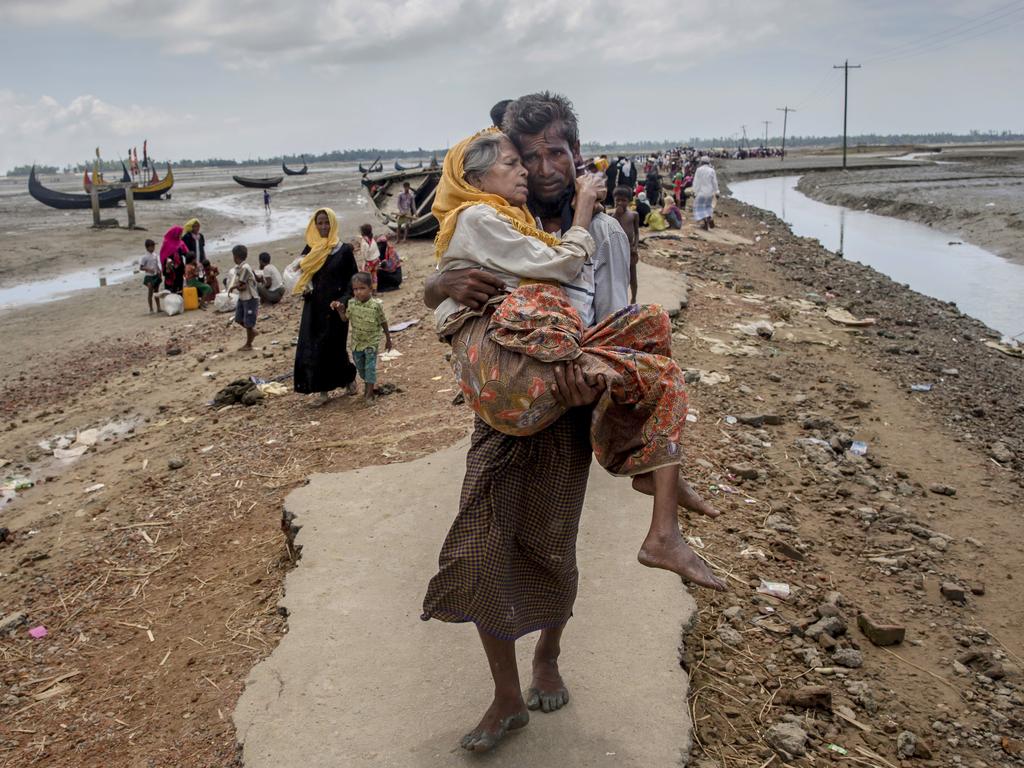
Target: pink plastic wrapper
x=38, y=632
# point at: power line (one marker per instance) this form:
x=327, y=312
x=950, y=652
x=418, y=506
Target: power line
x=846, y=67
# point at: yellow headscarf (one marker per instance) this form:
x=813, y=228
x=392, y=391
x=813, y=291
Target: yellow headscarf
x=188, y=226
x=319, y=248
x=455, y=194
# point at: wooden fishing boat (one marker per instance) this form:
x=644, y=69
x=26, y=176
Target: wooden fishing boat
x=400, y=167
x=157, y=187
x=67, y=201
x=375, y=167
x=103, y=185
x=384, y=190
x=263, y=183
x=301, y=172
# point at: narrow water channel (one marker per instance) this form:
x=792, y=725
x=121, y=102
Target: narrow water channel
x=983, y=285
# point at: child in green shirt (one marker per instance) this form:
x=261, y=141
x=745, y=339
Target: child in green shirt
x=367, y=323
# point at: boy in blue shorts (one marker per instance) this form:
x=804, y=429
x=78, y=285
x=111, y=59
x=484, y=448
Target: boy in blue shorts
x=248, y=305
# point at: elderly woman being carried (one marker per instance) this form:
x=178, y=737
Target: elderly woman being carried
x=505, y=354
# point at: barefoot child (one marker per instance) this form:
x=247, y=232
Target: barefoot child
x=504, y=356
x=244, y=281
x=630, y=221
x=150, y=265
x=367, y=323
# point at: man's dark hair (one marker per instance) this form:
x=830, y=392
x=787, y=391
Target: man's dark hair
x=149, y=243
x=498, y=112
x=264, y=258
x=366, y=229
x=362, y=278
x=532, y=114
x=240, y=251
x=622, y=192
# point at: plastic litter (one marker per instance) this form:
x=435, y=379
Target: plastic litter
x=70, y=453
x=38, y=632
x=94, y=488
x=290, y=276
x=405, y=325
x=730, y=419
x=754, y=552
x=858, y=448
x=837, y=749
x=921, y=387
x=16, y=483
x=173, y=304
x=225, y=302
x=779, y=589
x=273, y=388
x=392, y=354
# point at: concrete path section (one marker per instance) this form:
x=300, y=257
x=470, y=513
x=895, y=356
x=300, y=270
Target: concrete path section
x=360, y=680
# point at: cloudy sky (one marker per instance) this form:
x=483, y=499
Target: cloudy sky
x=244, y=78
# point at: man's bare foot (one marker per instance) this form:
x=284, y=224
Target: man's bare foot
x=353, y=389
x=676, y=556
x=500, y=718
x=688, y=498
x=547, y=692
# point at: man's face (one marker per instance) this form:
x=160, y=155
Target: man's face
x=550, y=162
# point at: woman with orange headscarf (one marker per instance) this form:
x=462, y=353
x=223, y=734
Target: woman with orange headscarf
x=327, y=266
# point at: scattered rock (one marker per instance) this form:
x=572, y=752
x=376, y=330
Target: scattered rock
x=848, y=657
x=881, y=634
x=729, y=636
x=12, y=621
x=954, y=592
x=833, y=626
x=909, y=744
x=744, y=471
x=175, y=463
x=807, y=697
x=788, y=738
x=942, y=490
x=1001, y=453
x=786, y=551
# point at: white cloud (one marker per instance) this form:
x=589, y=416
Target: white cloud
x=48, y=131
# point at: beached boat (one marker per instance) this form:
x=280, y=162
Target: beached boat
x=301, y=172
x=103, y=185
x=384, y=191
x=375, y=167
x=400, y=167
x=67, y=201
x=264, y=183
x=157, y=187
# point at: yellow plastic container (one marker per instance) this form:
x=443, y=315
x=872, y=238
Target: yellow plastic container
x=191, y=296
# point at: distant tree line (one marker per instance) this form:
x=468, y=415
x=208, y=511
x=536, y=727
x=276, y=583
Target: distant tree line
x=366, y=156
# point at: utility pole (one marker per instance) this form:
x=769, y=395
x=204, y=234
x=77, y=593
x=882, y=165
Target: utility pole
x=846, y=67
x=766, y=124
x=785, y=117
x=745, y=140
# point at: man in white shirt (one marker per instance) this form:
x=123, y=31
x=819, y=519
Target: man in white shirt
x=270, y=286
x=705, y=187
x=406, y=210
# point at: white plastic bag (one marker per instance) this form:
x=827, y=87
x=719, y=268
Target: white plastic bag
x=290, y=276
x=173, y=304
x=225, y=302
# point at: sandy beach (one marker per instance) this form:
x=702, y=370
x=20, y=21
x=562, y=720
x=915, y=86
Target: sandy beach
x=156, y=560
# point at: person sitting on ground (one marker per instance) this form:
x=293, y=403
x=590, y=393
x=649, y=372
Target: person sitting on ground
x=210, y=275
x=270, y=285
x=172, y=260
x=504, y=356
x=630, y=222
x=149, y=264
x=389, y=273
x=406, y=210
x=673, y=216
x=244, y=282
x=368, y=255
x=643, y=208
x=367, y=321
x=192, y=280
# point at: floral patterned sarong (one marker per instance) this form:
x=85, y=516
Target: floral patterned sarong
x=504, y=363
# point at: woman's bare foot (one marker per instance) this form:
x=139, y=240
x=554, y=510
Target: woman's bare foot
x=352, y=390
x=688, y=498
x=547, y=692
x=500, y=718
x=673, y=554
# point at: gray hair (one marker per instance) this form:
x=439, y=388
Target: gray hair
x=481, y=154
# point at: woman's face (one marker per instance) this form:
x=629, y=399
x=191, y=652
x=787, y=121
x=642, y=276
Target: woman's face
x=323, y=224
x=195, y=228
x=507, y=177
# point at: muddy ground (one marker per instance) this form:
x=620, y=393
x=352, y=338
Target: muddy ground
x=158, y=590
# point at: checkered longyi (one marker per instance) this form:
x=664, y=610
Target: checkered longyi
x=508, y=563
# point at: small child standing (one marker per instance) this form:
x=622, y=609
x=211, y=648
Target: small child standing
x=367, y=323
x=630, y=221
x=150, y=265
x=244, y=281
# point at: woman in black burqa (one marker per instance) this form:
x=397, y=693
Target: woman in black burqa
x=327, y=266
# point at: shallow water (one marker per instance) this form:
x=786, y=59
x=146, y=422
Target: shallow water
x=255, y=226
x=982, y=284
